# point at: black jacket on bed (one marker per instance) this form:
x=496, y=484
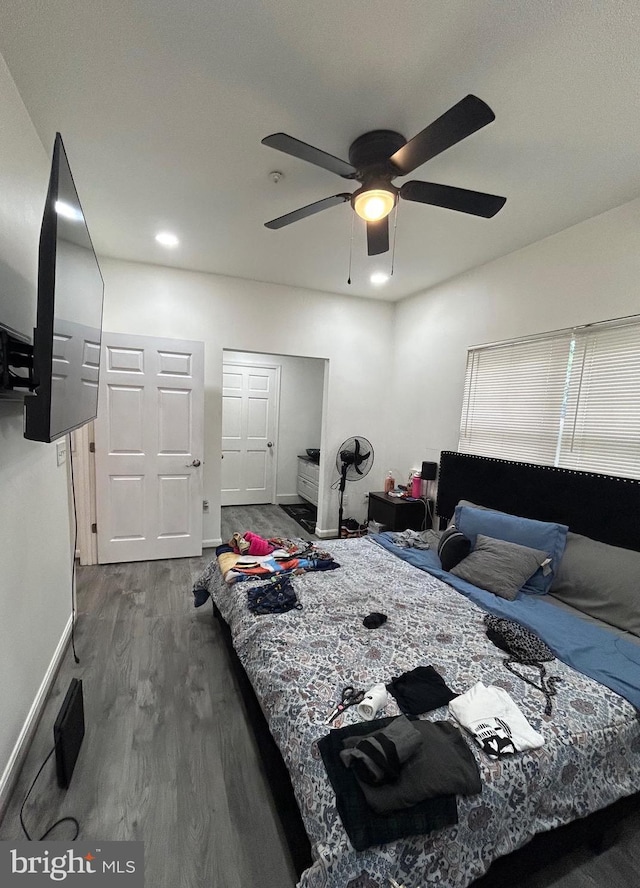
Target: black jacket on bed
x=364, y=827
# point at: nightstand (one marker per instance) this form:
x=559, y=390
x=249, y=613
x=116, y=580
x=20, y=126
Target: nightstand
x=396, y=513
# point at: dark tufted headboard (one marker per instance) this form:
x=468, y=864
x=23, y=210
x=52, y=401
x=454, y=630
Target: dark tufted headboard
x=602, y=507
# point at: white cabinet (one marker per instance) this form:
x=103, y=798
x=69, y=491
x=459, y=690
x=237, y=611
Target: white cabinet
x=308, y=478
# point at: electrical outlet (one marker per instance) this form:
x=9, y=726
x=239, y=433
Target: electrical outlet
x=61, y=452
x=205, y=505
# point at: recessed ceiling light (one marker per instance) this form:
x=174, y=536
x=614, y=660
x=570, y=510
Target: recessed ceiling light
x=167, y=239
x=379, y=277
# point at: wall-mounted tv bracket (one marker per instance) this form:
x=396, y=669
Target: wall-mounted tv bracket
x=16, y=363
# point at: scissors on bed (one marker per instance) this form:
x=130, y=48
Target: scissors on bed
x=350, y=697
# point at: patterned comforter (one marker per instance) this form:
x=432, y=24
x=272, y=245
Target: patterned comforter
x=298, y=663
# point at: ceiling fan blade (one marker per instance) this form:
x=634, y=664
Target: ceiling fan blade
x=309, y=210
x=296, y=148
x=477, y=203
x=468, y=116
x=378, y=237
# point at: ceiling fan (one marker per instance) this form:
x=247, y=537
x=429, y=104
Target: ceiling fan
x=378, y=157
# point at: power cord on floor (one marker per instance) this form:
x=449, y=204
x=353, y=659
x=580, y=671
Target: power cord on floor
x=58, y=822
x=73, y=562
x=75, y=657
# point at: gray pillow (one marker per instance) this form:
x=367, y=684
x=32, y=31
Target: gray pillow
x=499, y=567
x=600, y=580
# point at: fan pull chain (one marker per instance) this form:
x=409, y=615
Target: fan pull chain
x=350, y=249
x=393, y=249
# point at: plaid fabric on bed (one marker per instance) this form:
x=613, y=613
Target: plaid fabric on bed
x=364, y=827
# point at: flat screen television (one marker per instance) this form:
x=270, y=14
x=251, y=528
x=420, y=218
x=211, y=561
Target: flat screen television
x=66, y=340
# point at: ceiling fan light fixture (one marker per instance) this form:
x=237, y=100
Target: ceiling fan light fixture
x=378, y=157
x=373, y=204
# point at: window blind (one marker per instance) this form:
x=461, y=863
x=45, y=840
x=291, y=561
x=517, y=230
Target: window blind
x=570, y=398
x=513, y=396
x=601, y=431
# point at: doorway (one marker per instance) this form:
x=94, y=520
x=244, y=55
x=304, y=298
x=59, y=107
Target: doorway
x=296, y=408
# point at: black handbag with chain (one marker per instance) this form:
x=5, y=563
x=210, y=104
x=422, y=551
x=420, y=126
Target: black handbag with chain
x=523, y=647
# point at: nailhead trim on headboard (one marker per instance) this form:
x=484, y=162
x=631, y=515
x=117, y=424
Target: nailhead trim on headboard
x=603, y=507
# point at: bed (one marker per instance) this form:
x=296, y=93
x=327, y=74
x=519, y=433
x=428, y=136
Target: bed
x=297, y=663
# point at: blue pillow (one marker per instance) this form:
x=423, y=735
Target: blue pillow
x=547, y=536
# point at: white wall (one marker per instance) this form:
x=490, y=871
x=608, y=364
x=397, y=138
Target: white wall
x=354, y=335
x=587, y=273
x=35, y=562
x=299, y=414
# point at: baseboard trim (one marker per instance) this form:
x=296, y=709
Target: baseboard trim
x=19, y=753
x=326, y=534
x=289, y=499
x=210, y=544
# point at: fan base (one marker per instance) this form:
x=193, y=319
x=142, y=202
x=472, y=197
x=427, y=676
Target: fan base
x=374, y=148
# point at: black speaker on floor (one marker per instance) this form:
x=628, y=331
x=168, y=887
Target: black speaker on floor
x=68, y=732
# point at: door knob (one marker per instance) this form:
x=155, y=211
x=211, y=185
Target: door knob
x=195, y=463
x=269, y=443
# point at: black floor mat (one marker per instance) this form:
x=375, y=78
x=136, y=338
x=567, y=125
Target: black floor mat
x=304, y=514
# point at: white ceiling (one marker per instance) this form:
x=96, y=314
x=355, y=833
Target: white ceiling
x=162, y=105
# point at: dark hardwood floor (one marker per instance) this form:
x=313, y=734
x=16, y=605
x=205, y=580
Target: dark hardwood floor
x=169, y=756
x=265, y=520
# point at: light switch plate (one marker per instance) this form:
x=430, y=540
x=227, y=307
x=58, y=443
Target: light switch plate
x=61, y=450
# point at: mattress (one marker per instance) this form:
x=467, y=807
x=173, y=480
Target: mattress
x=298, y=663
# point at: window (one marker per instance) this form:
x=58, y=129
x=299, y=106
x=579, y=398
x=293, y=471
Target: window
x=570, y=398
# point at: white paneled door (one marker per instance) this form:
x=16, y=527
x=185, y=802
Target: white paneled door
x=149, y=445
x=249, y=411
